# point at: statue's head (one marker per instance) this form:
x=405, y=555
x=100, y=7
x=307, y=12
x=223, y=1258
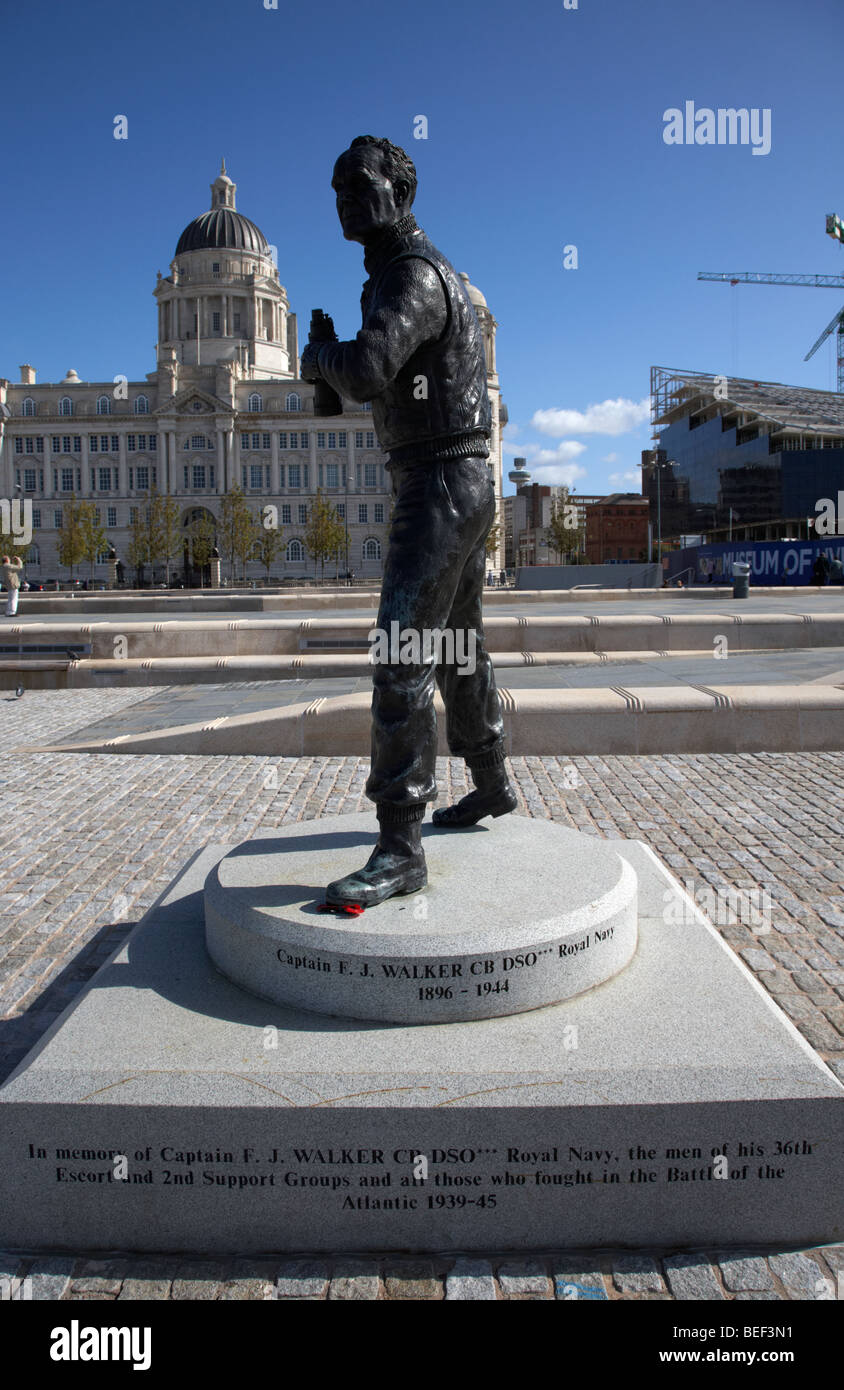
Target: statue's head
x=375, y=184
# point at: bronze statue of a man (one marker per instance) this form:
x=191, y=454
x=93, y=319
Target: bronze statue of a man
x=419, y=359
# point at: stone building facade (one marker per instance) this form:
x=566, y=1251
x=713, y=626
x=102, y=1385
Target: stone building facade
x=223, y=406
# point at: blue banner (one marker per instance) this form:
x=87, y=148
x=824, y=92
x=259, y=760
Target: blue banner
x=771, y=562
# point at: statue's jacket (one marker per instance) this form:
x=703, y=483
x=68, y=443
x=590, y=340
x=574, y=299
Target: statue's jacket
x=419, y=357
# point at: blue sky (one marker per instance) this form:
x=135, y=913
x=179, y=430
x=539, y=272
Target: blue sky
x=545, y=130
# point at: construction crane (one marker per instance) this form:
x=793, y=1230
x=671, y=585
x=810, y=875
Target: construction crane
x=835, y=229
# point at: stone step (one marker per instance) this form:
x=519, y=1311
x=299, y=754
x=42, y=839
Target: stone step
x=625, y=720
x=543, y=633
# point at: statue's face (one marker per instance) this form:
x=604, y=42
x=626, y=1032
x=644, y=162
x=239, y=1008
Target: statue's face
x=367, y=201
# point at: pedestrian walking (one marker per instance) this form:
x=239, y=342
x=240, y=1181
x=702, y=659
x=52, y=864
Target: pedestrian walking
x=10, y=576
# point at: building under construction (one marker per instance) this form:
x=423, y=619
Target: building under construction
x=739, y=459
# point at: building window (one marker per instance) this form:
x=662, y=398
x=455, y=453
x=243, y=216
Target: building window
x=198, y=441
x=371, y=549
x=29, y=406
x=370, y=439
x=265, y=441
x=293, y=401
x=256, y=475
x=65, y=406
x=130, y=443
x=236, y=323
x=341, y=439
x=305, y=475
x=141, y=405
x=332, y=440
x=295, y=551
x=285, y=513
x=358, y=439
x=104, y=480
x=18, y=445
x=215, y=267
x=29, y=447
x=341, y=510
x=198, y=475
x=303, y=513
x=332, y=475
x=282, y=440
x=370, y=475
x=57, y=518
x=56, y=444
x=215, y=322
x=29, y=480
x=255, y=401
x=67, y=480
x=320, y=439
x=142, y=477
x=362, y=509
x=39, y=443
x=103, y=443
x=103, y=405
x=379, y=513
x=115, y=444
x=111, y=516
x=152, y=442
x=36, y=518
x=294, y=474
x=66, y=449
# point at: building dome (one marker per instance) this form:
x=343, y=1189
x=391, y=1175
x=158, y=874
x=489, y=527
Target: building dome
x=219, y=228
x=473, y=292
x=223, y=227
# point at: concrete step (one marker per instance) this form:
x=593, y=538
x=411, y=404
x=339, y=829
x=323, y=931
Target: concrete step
x=626, y=720
x=268, y=637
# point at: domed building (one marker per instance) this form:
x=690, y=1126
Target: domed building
x=224, y=407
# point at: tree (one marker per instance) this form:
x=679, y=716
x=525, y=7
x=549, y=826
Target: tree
x=202, y=537
x=172, y=536
x=493, y=539
x=137, y=551
x=92, y=532
x=71, y=543
x=153, y=527
x=564, y=530
x=325, y=533
x=268, y=544
x=236, y=527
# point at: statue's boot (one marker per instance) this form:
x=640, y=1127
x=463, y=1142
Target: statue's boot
x=396, y=865
x=493, y=796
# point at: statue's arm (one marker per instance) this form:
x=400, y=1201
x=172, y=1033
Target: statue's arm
x=410, y=309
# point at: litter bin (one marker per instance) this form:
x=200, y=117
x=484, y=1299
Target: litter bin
x=741, y=579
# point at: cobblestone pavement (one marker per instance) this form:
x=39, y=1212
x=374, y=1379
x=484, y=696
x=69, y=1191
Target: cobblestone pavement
x=92, y=840
x=589, y=1275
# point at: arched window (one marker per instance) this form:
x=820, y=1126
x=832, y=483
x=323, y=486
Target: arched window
x=65, y=406
x=29, y=406
x=198, y=441
x=33, y=555
x=295, y=550
x=371, y=549
x=141, y=405
x=293, y=401
x=256, y=402
x=103, y=405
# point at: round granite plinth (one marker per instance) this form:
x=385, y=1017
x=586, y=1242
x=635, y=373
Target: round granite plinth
x=518, y=914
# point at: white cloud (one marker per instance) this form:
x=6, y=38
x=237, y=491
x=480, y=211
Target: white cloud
x=633, y=475
x=607, y=417
x=610, y=458
x=557, y=473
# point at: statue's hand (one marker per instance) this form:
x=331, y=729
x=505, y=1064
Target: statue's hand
x=309, y=371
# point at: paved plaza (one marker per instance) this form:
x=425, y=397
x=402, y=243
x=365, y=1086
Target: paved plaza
x=92, y=840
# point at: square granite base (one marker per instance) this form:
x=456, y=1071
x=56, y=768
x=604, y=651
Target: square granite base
x=247, y=1127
